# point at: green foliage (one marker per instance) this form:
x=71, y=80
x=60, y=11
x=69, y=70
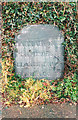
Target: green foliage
x=27, y=91
x=71, y=87
x=15, y=15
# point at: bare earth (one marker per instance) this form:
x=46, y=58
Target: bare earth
x=42, y=111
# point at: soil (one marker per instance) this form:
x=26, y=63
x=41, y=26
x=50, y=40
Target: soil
x=64, y=110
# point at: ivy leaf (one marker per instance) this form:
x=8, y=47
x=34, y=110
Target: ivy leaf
x=53, y=88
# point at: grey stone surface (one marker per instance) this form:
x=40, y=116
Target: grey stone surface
x=39, y=52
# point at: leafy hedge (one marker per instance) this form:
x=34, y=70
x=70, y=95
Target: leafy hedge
x=15, y=15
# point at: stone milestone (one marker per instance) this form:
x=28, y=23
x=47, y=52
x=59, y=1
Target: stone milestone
x=40, y=53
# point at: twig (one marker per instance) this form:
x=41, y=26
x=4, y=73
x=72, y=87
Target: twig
x=55, y=11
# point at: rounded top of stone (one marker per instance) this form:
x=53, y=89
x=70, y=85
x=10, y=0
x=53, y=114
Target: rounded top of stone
x=41, y=32
x=40, y=27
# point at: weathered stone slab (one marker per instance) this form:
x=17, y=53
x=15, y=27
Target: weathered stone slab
x=39, y=52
